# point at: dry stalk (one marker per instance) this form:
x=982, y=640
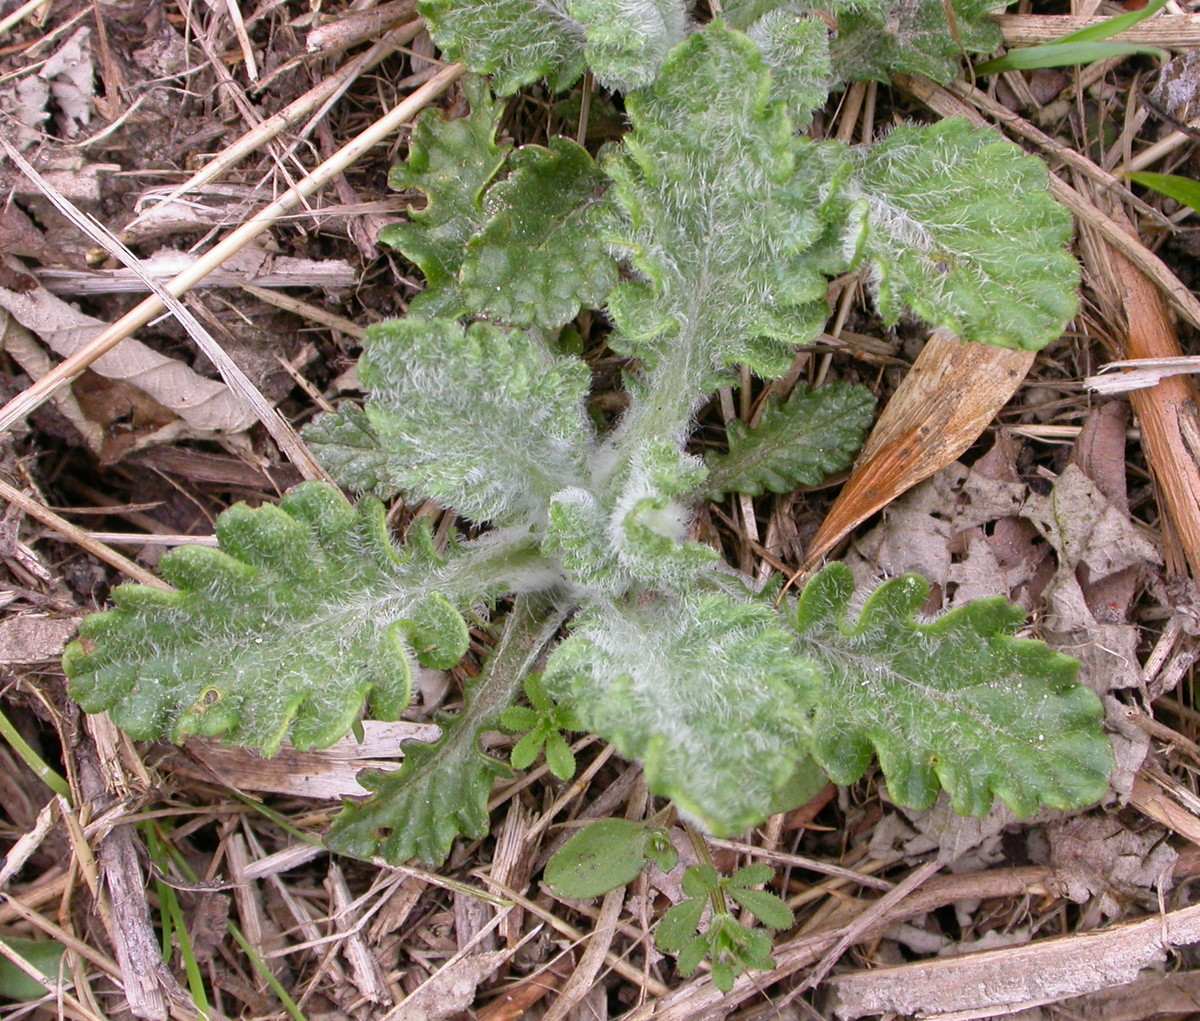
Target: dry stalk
x=32, y=398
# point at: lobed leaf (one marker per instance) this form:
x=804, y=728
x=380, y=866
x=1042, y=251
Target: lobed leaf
x=307, y=611
x=539, y=256
x=703, y=690
x=441, y=790
x=452, y=162
x=962, y=230
x=627, y=40
x=515, y=41
x=520, y=41
x=484, y=420
x=958, y=703
x=721, y=207
x=813, y=435
x=438, y=794
x=348, y=448
x=877, y=39
x=796, y=49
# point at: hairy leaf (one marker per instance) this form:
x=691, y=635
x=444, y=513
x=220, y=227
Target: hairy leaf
x=628, y=39
x=962, y=230
x=515, y=41
x=958, y=703
x=705, y=691
x=347, y=447
x=539, y=257
x=877, y=39
x=441, y=790
x=816, y=433
x=648, y=527
x=484, y=420
x=520, y=41
x=722, y=205
x=452, y=162
x=439, y=793
x=578, y=535
x=306, y=611
x=796, y=48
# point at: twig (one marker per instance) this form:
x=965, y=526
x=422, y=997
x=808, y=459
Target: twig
x=151, y=307
x=81, y=538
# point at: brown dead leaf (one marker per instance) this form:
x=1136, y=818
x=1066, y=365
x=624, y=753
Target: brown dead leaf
x=952, y=392
x=30, y=639
x=1093, y=539
x=450, y=990
x=1100, y=857
x=329, y=773
x=206, y=405
x=961, y=530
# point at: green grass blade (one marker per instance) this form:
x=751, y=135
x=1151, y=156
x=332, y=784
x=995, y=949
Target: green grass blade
x=1115, y=25
x=1183, y=190
x=31, y=758
x=294, y=1012
x=172, y=921
x=1064, y=55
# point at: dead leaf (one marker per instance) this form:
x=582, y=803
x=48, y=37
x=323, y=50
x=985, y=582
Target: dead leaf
x=71, y=73
x=29, y=639
x=949, y=396
x=1093, y=539
x=1100, y=857
x=450, y=990
x=206, y=405
x=326, y=774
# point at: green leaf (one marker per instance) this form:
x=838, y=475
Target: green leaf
x=649, y=521
x=700, y=880
x=1078, y=47
x=691, y=955
x=544, y=721
x=958, y=703
x=1183, y=190
x=1063, y=54
x=518, y=718
x=305, y=614
x=452, y=162
x=881, y=38
x=441, y=790
x=750, y=876
x=438, y=794
x=347, y=447
x=660, y=848
x=515, y=41
x=560, y=760
x=766, y=907
x=484, y=420
x=721, y=207
x=44, y=955
x=964, y=233
x=525, y=750
x=604, y=856
x=677, y=928
x=1114, y=25
x=578, y=537
x=539, y=257
x=816, y=433
x=703, y=690
x=520, y=41
x=437, y=632
x=628, y=39
x=796, y=49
